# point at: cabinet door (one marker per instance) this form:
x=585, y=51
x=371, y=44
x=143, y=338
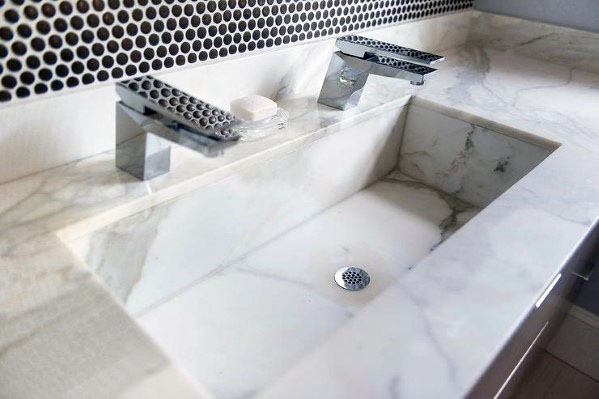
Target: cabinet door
x=541, y=322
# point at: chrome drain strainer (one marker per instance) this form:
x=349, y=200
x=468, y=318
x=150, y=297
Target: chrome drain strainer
x=352, y=278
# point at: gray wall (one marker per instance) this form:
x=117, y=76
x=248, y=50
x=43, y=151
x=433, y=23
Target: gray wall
x=581, y=14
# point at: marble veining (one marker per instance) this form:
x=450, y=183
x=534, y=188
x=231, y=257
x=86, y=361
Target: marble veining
x=282, y=294
x=472, y=163
x=556, y=44
x=461, y=211
x=68, y=302
x=450, y=316
x=550, y=102
x=444, y=320
x=153, y=254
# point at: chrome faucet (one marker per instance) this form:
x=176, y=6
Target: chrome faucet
x=358, y=57
x=152, y=115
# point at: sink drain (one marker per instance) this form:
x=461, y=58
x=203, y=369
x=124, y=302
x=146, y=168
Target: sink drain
x=352, y=278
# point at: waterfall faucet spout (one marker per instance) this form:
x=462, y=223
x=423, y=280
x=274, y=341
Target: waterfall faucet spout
x=359, y=57
x=152, y=115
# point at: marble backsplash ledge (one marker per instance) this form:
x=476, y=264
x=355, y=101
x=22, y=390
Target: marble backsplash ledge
x=43, y=134
x=47, y=133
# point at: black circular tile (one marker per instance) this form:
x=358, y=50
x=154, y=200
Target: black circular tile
x=98, y=40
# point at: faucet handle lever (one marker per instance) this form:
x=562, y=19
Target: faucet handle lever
x=147, y=94
x=360, y=46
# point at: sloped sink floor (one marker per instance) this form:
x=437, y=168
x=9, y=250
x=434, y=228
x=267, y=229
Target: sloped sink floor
x=239, y=328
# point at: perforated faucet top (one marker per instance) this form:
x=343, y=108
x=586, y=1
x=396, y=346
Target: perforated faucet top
x=404, y=65
x=147, y=92
x=360, y=46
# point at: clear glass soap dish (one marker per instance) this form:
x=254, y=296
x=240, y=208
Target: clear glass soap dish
x=250, y=131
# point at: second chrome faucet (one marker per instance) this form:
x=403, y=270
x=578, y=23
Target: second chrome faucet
x=358, y=57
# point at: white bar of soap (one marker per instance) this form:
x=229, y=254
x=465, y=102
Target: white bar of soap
x=253, y=108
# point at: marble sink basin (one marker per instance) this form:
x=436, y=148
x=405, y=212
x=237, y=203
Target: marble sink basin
x=235, y=279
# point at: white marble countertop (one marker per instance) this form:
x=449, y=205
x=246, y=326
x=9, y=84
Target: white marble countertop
x=434, y=332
